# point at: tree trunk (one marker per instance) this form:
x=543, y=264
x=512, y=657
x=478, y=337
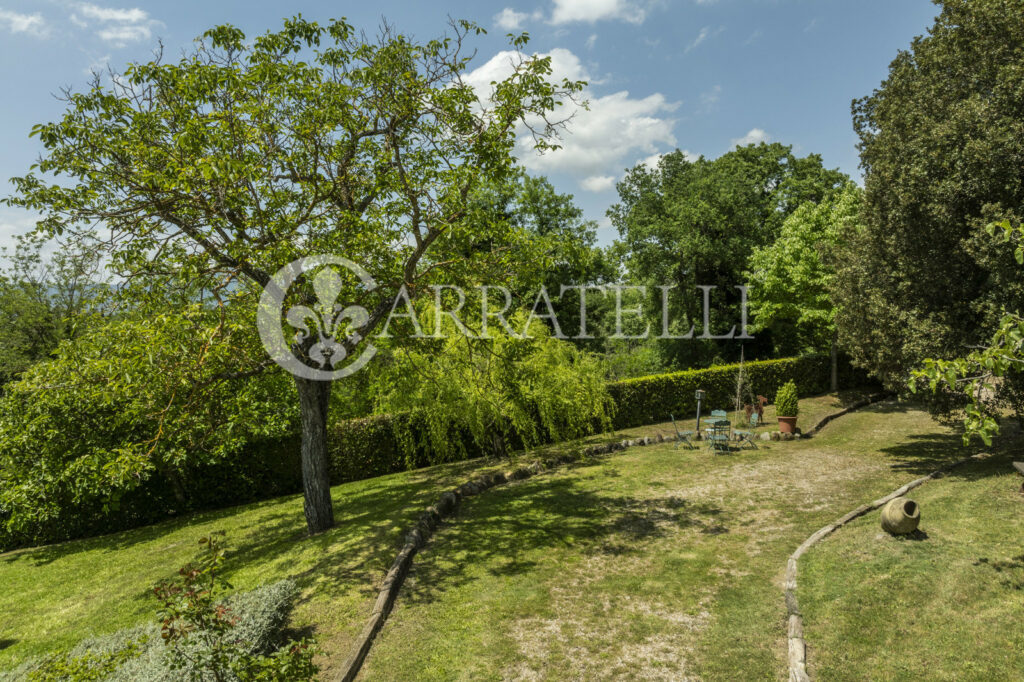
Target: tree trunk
x=316, y=485
x=835, y=365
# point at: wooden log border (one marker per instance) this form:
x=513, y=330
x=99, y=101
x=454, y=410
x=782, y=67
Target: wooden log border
x=864, y=402
x=797, y=644
x=449, y=502
x=446, y=505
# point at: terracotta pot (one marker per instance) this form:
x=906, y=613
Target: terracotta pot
x=901, y=516
x=787, y=424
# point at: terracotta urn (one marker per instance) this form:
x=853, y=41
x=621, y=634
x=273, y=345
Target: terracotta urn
x=901, y=516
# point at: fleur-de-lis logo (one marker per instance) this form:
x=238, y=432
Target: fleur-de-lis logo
x=327, y=320
x=331, y=327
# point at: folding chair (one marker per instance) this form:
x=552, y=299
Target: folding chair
x=682, y=436
x=747, y=437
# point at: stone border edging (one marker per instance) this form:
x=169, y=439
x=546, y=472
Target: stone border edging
x=446, y=505
x=797, y=645
x=863, y=402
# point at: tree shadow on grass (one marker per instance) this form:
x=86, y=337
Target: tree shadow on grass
x=921, y=454
x=502, y=531
x=380, y=497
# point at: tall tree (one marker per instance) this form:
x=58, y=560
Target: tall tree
x=695, y=222
x=791, y=278
x=245, y=155
x=942, y=145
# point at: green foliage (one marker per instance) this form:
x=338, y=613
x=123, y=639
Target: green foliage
x=44, y=300
x=941, y=146
x=696, y=222
x=985, y=375
x=498, y=389
x=790, y=278
x=786, y=401
x=200, y=630
x=138, y=398
x=89, y=667
x=648, y=400
x=213, y=171
x=248, y=648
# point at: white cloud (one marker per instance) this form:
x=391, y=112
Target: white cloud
x=705, y=33
x=32, y=24
x=591, y=41
x=511, y=20
x=598, y=183
x=124, y=16
x=118, y=27
x=754, y=136
x=567, y=11
x=599, y=139
x=119, y=36
x=564, y=64
x=709, y=99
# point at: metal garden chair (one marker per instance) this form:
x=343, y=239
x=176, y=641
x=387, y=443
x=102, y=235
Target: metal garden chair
x=682, y=436
x=718, y=436
x=747, y=437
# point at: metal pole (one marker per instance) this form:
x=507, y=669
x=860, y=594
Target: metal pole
x=697, y=428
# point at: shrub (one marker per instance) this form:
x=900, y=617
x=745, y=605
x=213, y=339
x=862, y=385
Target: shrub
x=237, y=639
x=380, y=444
x=786, y=403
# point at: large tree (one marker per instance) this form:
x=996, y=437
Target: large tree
x=942, y=146
x=213, y=171
x=791, y=278
x=695, y=222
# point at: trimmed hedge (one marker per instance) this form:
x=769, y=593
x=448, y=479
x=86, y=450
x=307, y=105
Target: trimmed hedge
x=370, y=447
x=648, y=400
x=364, y=448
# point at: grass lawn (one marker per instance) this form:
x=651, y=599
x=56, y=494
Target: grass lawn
x=947, y=603
x=656, y=563
x=667, y=564
x=54, y=596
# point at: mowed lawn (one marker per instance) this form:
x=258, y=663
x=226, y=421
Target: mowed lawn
x=655, y=563
x=667, y=564
x=52, y=597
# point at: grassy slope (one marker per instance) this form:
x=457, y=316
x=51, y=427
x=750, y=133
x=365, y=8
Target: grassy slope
x=667, y=564
x=946, y=603
x=52, y=597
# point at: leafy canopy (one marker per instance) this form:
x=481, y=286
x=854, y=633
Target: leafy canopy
x=791, y=278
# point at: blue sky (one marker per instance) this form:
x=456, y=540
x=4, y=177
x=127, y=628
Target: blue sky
x=698, y=75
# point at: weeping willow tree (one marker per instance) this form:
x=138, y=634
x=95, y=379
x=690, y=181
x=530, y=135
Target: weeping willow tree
x=496, y=388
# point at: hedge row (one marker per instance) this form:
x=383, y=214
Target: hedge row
x=369, y=447
x=648, y=400
x=364, y=448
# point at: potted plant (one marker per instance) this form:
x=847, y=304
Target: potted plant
x=786, y=407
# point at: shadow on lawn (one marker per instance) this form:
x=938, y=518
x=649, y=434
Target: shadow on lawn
x=348, y=559
x=921, y=454
x=502, y=529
